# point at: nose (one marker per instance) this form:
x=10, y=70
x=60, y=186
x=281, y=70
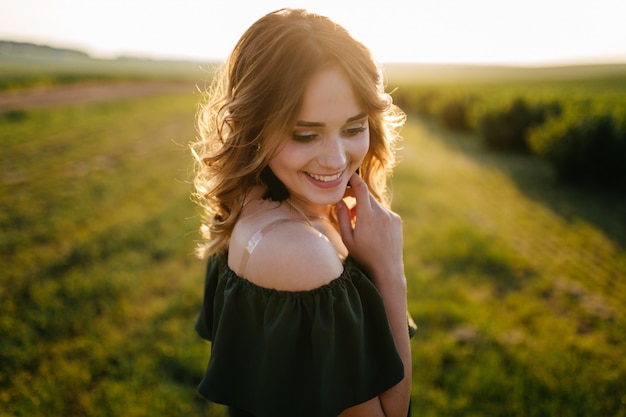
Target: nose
x=333, y=153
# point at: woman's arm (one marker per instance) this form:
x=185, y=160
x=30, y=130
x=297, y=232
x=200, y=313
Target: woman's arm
x=375, y=242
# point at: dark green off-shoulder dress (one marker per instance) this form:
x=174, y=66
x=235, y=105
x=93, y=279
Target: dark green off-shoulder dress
x=285, y=354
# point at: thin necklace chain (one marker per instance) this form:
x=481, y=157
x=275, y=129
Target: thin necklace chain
x=306, y=216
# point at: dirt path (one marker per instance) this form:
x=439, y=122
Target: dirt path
x=85, y=93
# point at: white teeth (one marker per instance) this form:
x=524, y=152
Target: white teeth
x=324, y=178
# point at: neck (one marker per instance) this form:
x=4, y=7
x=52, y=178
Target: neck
x=323, y=213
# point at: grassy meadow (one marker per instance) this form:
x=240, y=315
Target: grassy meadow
x=40, y=67
x=99, y=286
x=516, y=281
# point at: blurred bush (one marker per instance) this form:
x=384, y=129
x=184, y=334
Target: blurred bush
x=577, y=126
x=583, y=146
x=454, y=113
x=507, y=128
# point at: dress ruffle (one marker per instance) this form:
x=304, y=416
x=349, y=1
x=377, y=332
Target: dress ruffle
x=306, y=353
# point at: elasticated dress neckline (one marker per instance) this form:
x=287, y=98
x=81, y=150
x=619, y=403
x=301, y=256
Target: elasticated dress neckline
x=295, y=353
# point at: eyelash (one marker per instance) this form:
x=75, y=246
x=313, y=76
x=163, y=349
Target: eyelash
x=348, y=132
x=304, y=138
x=355, y=130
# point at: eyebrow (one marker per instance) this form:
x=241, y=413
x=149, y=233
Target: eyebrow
x=318, y=124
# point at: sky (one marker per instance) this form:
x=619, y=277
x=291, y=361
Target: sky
x=530, y=32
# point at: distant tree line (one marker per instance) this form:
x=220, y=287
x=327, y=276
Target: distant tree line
x=25, y=49
x=581, y=134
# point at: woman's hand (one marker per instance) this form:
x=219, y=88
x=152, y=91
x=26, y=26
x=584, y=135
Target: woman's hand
x=372, y=233
x=373, y=236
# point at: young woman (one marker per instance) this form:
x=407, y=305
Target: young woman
x=305, y=293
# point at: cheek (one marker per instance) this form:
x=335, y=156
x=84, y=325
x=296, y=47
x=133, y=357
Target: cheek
x=360, y=148
x=289, y=158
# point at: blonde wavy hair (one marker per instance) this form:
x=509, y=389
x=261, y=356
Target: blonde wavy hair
x=251, y=108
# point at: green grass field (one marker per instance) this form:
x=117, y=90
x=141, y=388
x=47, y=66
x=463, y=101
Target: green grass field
x=516, y=281
x=35, y=70
x=99, y=287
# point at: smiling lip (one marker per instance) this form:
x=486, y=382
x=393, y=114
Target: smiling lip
x=325, y=181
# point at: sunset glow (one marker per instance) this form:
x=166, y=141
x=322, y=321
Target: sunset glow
x=480, y=31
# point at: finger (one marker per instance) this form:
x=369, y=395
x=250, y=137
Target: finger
x=360, y=191
x=345, y=224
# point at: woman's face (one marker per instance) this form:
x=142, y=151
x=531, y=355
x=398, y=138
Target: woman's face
x=328, y=143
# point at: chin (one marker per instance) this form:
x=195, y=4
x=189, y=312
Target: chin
x=330, y=198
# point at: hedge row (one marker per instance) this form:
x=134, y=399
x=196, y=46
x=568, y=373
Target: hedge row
x=584, y=145
x=583, y=138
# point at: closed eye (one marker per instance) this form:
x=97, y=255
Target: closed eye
x=353, y=131
x=308, y=137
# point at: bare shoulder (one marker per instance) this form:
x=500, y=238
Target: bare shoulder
x=291, y=256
